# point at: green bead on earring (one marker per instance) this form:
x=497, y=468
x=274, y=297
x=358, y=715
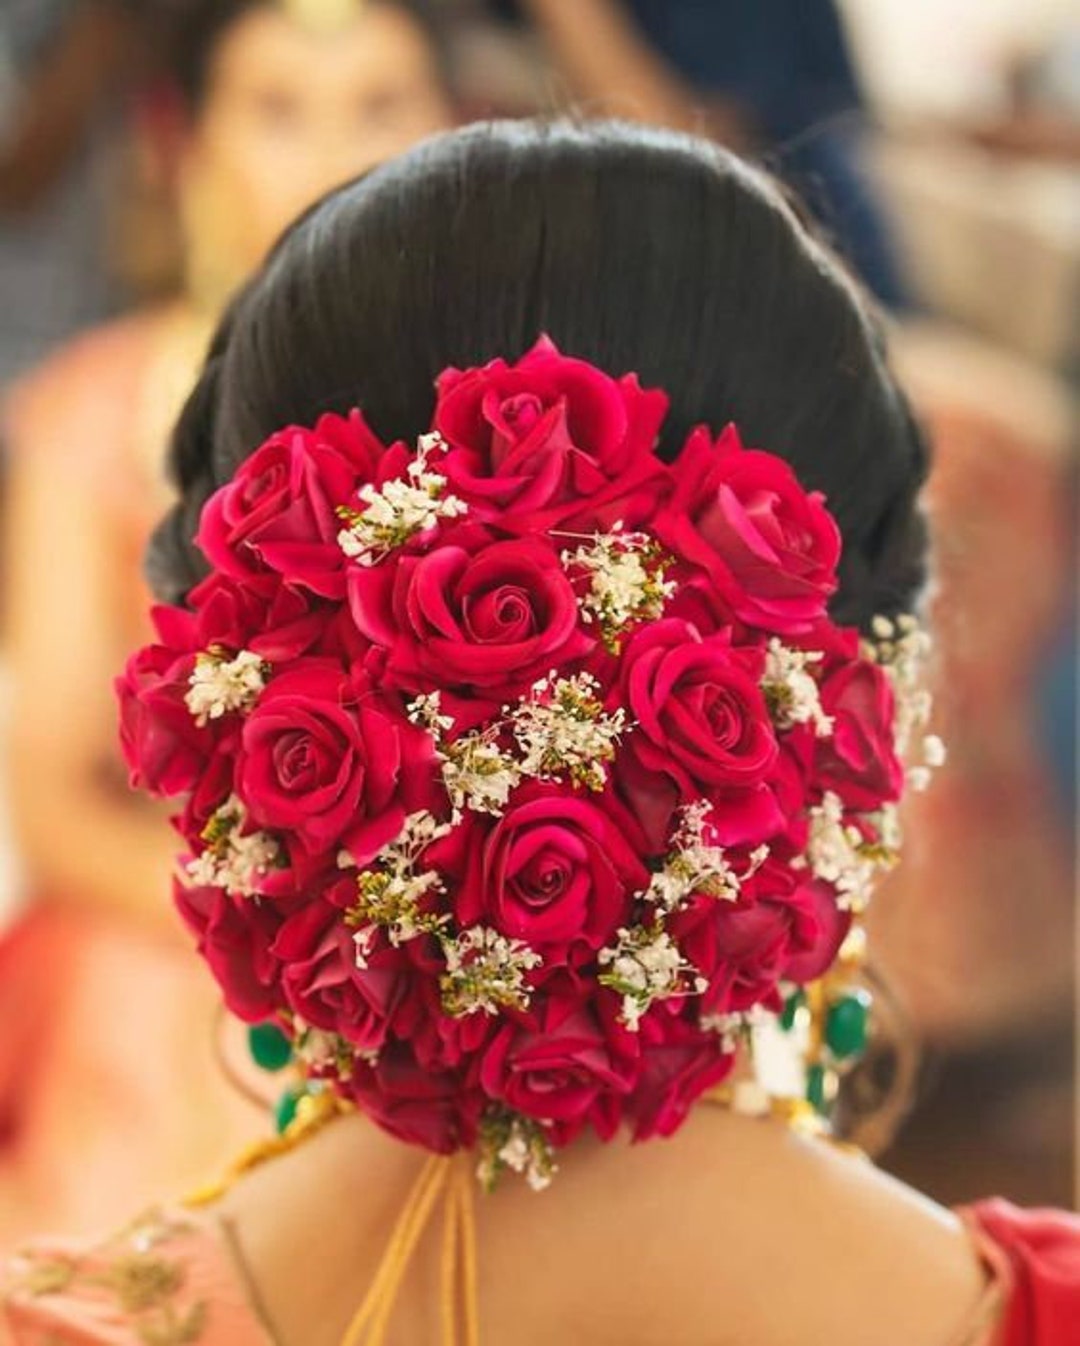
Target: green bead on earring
x=820, y=1088
x=270, y=1049
x=847, y=1025
x=790, y=1012
x=286, y=1108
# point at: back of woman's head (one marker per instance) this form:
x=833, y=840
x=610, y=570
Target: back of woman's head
x=636, y=250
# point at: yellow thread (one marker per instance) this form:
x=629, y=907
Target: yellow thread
x=448, y=1273
x=458, y=1278
x=469, y=1261
x=368, y=1327
x=316, y=1111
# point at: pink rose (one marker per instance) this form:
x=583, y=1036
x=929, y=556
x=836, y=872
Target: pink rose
x=562, y=1071
x=558, y=870
x=547, y=439
x=702, y=729
x=236, y=937
x=321, y=982
x=858, y=760
x=279, y=512
x=165, y=749
x=771, y=547
x=421, y=1106
x=332, y=763
x=472, y=613
x=679, y=1063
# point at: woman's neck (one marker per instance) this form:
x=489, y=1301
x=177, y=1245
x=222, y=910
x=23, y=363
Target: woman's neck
x=681, y=1241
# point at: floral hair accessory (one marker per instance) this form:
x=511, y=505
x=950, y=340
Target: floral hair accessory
x=522, y=776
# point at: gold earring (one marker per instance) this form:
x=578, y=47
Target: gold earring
x=323, y=16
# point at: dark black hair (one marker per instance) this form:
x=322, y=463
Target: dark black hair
x=639, y=250
x=187, y=34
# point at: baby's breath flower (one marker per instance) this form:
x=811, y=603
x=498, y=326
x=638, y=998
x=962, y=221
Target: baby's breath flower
x=478, y=775
x=697, y=866
x=563, y=731
x=363, y=943
x=398, y=510
x=646, y=966
x=322, y=1051
x=391, y=896
x=516, y=1144
x=839, y=854
x=220, y=686
x=731, y=1029
x=626, y=581
x=902, y=648
x=485, y=973
x=426, y=711
x=391, y=902
x=233, y=860
x=934, y=752
x=790, y=689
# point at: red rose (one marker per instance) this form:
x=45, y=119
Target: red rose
x=785, y=931
x=472, y=613
x=333, y=764
x=741, y=515
x=558, y=870
x=702, y=729
x=858, y=759
x=164, y=747
x=421, y=1106
x=679, y=1063
x=547, y=439
x=261, y=614
x=279, y=512
x=236, y=937
x=561, y=1071
x=321, y=982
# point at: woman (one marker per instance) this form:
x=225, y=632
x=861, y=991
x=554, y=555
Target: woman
x=362, y=871
x=282, y=101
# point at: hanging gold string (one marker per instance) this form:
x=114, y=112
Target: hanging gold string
x=459, y=1262
x=315, y=1112
x=369, y=1326
x=469, y=1260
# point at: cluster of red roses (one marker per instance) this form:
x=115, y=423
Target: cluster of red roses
x=509, y=764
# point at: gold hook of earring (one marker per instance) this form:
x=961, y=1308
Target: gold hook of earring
x=323, y=16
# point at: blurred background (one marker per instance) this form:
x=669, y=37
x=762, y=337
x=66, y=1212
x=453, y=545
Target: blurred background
x=151, y=151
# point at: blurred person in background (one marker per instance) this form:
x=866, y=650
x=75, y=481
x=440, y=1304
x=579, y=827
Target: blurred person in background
x=1042, y=115
x=280, y=101
x=976, y=928
x=771, y=77
x=979, y=927
x=64, y=65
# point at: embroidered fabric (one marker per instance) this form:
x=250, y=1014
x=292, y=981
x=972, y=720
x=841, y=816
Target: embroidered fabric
x=169, y=1279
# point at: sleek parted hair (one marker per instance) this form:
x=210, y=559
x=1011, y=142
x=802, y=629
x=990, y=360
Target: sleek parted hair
x=635, y=249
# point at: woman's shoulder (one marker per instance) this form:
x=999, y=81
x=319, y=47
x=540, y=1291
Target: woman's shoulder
x=169, y=1279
